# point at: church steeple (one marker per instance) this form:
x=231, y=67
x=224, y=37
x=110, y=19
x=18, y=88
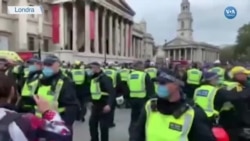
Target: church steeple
x=185, y=21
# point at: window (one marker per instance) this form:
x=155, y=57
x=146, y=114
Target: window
x=31, y=43
x=5, y=6
x=46, y=15
x=46, y=45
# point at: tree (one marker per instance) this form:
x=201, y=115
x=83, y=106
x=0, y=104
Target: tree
x=227, y=53
x=243, y=40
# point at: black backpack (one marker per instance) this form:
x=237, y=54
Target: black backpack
x=4, y=125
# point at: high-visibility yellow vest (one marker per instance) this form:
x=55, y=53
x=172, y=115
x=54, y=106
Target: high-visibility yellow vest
x=136, y=84
x=26, y=72
x=45, y=92
x=78, y=76
x=227, y=106
x=168, y=127
x=152, y=72
x=51, y=96
x=112, y=74
x=124, y=73
x=95, y=89
x=204, y=97
x=220, y=71
x=194, y=76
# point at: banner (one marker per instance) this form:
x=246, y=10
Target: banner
x=92, y=24
x=56, y=23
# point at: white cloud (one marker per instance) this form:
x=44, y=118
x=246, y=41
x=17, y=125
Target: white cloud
x=209, y=25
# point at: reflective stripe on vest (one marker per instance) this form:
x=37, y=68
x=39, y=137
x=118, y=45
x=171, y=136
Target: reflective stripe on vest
x=220, y=71
x=204, y=97
x=174, y=129
x=51, y=96
x=136, y=84
x=95, y=89
x=152, y=72
x=26, y=72
x=112, y=74
x=78, y=76
x=194, y=76
x=124, y=73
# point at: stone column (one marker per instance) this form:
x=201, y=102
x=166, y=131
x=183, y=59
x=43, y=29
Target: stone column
x=117, y=37
x=174, y=54
x=191, y=54
x=168, y=52
x=130, y=41
x=127, y=39
x=74, y=28
x=87, y=27
x=122, y=38
x=179, y=54
x=185, y=54
x=22, y=29
x=104, y=13
x=65, y=28
x=111, y=34
x=133, y=46
x=96, y=41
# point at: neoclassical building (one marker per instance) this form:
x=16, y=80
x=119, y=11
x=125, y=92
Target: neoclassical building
x=87, y=30
x=184, y=46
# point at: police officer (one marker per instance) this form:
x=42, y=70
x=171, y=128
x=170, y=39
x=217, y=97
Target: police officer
x=57, y=89
x=192, y=79
x=32, y=76
x=103, y=97
x=219, y=70
x=116, y=81
x=170, y=118
x=153, y=72
x=141, y=88
x=81, y=83
x=211, y=98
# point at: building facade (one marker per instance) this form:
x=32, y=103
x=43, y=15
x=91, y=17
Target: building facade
x=90, y=30
x=184, y=46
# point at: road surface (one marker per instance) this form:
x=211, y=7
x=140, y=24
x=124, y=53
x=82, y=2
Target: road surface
x=118, y=133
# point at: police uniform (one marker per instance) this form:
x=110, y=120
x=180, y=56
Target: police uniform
x=192, y=79
x=220, y=71
x=140, y=90
x=153, y=74
x=102, y=94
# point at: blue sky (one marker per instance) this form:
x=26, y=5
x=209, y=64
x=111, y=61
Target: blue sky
x=209, y=25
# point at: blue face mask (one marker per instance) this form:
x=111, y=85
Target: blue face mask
x=162, y=91
x=89, y=72
x=32, y=68
x=48, y=72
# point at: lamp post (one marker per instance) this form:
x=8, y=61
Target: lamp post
x=40, y=30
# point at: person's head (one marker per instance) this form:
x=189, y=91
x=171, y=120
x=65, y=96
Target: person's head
x=34, y=64
x=51, y=65
x=95, y=67
x=139, y=65
x=239, y=73
x=169, y=88
x=211, y=78
x=8, y=92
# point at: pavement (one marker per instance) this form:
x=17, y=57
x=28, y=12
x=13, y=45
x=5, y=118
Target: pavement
x=118, y=133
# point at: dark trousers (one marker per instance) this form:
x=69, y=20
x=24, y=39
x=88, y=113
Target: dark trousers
x=136, y=107
x=112, y=114
x=97, y=117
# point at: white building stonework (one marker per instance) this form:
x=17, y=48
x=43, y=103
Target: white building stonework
x=183, y=46
x=114, y=30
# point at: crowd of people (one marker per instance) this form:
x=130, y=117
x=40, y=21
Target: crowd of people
x=41, y=99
